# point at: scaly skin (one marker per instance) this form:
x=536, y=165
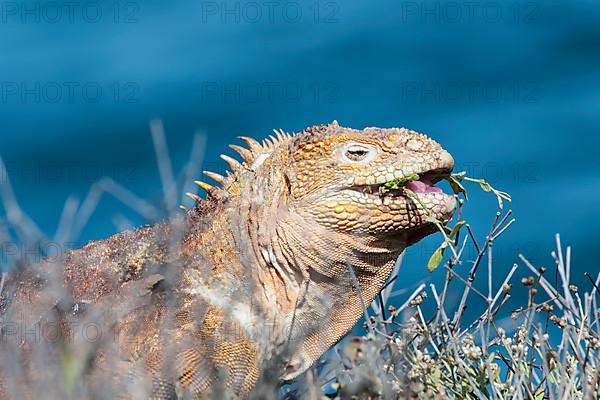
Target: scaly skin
x=250, y=286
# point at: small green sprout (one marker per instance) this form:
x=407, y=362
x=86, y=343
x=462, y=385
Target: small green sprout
x=456, y=183
x=456, y=180
x=449, y=234
x=397, y=183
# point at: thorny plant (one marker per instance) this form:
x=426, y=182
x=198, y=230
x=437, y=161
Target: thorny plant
x=547, y=349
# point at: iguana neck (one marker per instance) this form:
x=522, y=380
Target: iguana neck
x=304, y=269
x=299, y=270
x=328, y=302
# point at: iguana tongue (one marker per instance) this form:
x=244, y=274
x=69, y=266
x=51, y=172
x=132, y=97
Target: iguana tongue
x=423, y=185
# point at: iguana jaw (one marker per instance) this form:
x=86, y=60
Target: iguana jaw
x=369, y=204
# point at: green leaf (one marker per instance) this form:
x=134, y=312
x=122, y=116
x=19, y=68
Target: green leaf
x=504, y=195
x=455, y=183
x=397, y=183
x=71, y=368
x=436, y=258
x=456, y=229
x=485, y=186
x=459, y=176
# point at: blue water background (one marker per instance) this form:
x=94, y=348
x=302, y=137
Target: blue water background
x=384, y=63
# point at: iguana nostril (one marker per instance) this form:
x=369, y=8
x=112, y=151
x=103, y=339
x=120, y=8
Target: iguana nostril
x=414, y=144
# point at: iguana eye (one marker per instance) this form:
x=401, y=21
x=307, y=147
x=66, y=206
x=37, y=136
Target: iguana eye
x=358, y=152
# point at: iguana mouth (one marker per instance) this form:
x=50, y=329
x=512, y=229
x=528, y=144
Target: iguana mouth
x=423, y=185
x=417, y=183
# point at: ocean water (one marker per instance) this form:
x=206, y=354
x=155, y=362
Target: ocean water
x=510, y=88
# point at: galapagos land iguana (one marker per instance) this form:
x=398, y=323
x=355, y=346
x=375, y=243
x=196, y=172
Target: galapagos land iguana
x=254, y=283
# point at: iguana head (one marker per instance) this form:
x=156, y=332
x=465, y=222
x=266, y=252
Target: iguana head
x=373, y=181
x=376, y=182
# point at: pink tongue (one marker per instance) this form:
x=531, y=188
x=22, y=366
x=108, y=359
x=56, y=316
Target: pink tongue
x=423, y=186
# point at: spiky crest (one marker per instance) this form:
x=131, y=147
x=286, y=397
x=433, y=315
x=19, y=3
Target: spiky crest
x=204, y=186
x=247, y=155
x=214, y=176
x=252, y=155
